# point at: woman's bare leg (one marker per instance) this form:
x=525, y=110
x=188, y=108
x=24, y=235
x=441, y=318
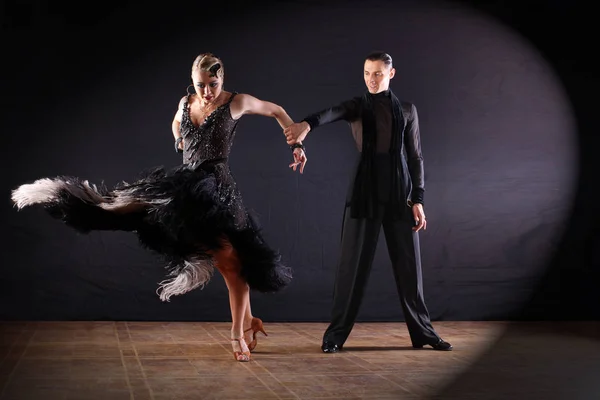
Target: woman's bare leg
x=248, y=318
x=238, y=296
x=228, y=264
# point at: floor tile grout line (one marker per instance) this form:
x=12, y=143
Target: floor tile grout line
x=301, y=332
x=21, y=333
x=10, y=376
x=263, y=382
x=246, y=366
x=377, y=373
x=275, y=378
x=131, y=395
x=188, y=358
x=137, y=357
x=399, y=385
x=278, y=381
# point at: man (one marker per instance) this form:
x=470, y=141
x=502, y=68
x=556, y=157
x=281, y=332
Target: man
x=387, y=189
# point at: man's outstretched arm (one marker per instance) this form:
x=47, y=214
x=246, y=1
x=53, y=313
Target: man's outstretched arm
x=348, y=110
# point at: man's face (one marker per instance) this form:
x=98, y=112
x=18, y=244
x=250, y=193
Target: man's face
x=377, y=76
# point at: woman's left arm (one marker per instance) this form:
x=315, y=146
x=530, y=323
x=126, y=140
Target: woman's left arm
x=245, y=104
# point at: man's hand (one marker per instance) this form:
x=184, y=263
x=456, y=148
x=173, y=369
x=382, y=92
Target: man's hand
x=296, y=132
x=419, y=216
x=299, y=159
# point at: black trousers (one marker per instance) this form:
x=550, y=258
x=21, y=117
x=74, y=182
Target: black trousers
x=358, y=245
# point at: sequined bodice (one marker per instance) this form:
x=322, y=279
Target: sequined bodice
x=212, y=139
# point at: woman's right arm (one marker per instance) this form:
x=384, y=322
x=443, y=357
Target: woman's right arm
x=176, y=124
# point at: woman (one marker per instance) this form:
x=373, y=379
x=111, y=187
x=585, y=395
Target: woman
x=192, y=215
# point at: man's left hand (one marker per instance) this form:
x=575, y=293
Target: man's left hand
x=419, y=216
x=296, y=132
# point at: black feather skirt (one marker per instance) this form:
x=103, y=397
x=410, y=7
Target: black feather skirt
x=182, y=214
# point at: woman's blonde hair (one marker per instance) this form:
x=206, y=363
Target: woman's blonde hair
x=210, y=63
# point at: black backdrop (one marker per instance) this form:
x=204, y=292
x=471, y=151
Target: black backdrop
x=92, y=93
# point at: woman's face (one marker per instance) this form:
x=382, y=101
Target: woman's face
x=207, y=87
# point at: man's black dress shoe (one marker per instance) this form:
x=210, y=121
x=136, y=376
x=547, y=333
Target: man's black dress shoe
x=329, y=347
x=441, y=345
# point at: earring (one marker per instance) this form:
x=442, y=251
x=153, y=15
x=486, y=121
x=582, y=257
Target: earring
x=187, y=90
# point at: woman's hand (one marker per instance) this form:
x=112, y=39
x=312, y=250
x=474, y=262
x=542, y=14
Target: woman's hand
x=299, y=159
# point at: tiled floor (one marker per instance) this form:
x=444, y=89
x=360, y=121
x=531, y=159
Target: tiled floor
x=192, y=360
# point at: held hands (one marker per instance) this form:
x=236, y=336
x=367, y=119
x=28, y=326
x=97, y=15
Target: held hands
x=296, y=132
x=299, y=159
x=419, y=216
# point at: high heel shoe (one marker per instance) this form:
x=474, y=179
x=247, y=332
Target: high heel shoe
x=255, y=326
x=241, y=356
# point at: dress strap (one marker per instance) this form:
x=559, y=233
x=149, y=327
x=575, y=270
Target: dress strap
x=231, y=97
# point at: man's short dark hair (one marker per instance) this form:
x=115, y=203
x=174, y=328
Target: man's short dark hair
x=380, y=56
